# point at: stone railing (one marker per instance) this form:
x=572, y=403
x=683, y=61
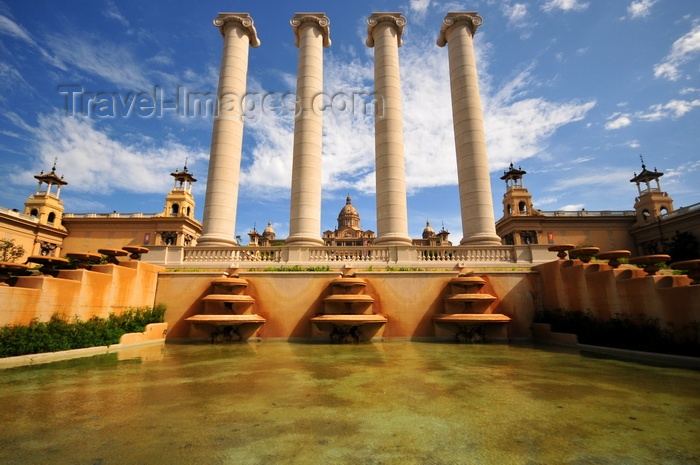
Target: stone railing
x=349, y=254
x=465, y=254
x=111, y=215
x=231, y=254
x=18, y=214
x=422, y=257
x=587, y=213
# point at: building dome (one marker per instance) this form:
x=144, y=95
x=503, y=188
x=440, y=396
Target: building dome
x=269, y=233
x=428, y=231
x=348, y=216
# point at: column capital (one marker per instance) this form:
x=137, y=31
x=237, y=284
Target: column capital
x=318, y=19
x=470, y=18
x=373, y=21
x=242, y=19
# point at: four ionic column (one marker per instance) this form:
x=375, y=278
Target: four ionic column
x=219, y=218
x=476, y=203
x=384, y=34
x=312, y=34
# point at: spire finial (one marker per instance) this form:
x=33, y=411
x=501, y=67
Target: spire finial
x=642, y=159
x=55, y=159
x=185, y=169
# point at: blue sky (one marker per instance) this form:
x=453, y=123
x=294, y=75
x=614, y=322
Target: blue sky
x=573, y=92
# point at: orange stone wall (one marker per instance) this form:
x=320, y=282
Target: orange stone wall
x=605, y=292
x=84, y=293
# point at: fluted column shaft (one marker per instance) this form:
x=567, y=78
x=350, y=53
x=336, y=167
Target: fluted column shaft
x=221, y=200
x=478, y=223
x=312, y=35
x=384, y=34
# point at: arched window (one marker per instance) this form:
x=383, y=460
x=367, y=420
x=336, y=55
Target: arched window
x=509, y=210
x=522, y=208
x=34, y=213
x=663, y=210
x=51, y=218
x=174, y=210
x=646, y=214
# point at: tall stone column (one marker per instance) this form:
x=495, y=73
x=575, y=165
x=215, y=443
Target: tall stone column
x=312, y=34
x=221, y=201
x=475, y=199
x=384, y=34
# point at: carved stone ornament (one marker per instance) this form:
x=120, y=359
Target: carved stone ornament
x=319, y=19
x=472, y=20
x=373, y=21
x=242, y=19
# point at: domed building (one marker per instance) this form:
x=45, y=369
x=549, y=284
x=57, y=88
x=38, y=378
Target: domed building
x=348, y=232
x=262, y=240
x=431, y=239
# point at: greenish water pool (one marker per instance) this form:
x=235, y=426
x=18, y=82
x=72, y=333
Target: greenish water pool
x=390, y=403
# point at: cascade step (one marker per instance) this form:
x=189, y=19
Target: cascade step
x=474, y=318
x=349, y=282
x=470, y=298
x=228, y=298
x=350, y=320
x=349, y=298
x=468, y=281
x=229, y=283
x=225, y=320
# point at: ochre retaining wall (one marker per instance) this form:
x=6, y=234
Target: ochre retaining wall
x=84, y=293
x=571, y=285
x=288, y=300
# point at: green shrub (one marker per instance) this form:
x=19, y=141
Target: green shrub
x=60, y=334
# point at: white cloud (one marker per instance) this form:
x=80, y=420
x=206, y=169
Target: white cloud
x=633, y=144
x=564, y=5
x=640, y=8
x=419, y=6
x=682, y=51
x=572, y=207
x=515, y=13
x=673, y=109
x=100, y=163
x=113, y=12
x=9, y=27
x=114, y=63
x=620, y=122
x=515, y=126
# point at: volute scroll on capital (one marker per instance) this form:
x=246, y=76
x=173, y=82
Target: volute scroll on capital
x=471, y=18
x=245, y=21
x=373, y=21
x=319, y=19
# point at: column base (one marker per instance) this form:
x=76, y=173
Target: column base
x=304, y=241
x=393, y=239
x=481, y=239
x=216, y=240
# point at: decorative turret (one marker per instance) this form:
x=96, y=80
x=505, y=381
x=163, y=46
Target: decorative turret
x=652, y=201
x=517, y=201
x=180, y=201
x=45, y=204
